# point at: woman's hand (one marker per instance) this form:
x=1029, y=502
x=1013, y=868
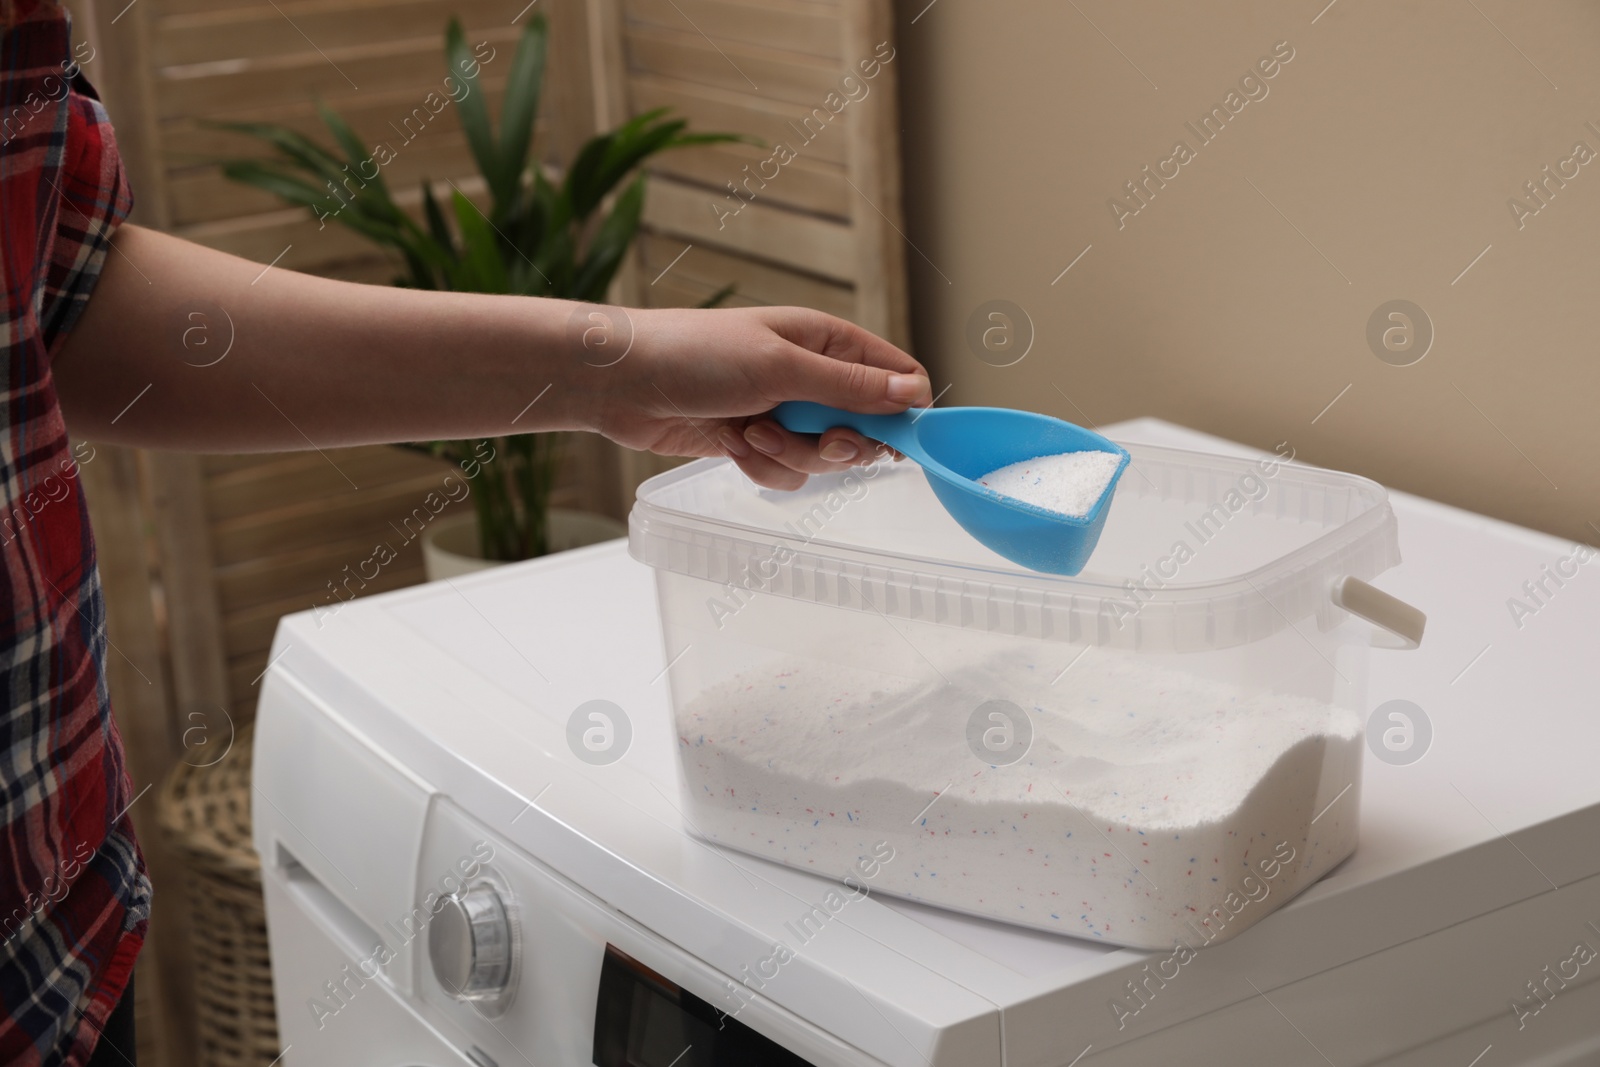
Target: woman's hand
x=701, y=383
x=304, y=362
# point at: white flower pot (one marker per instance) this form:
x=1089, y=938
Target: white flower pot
x=450, y=546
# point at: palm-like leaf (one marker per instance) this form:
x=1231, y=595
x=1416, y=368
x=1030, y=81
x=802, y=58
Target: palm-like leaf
x=471, y=108
x=438, y=229
x=291, y=144
x=482, y=271
x=520, y=108
x=359, y=160
x=610, y=243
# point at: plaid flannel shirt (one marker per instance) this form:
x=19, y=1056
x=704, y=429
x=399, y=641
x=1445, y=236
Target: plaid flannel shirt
x=74, y=897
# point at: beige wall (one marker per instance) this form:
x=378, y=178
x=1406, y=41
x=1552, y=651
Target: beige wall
x=1378, y=165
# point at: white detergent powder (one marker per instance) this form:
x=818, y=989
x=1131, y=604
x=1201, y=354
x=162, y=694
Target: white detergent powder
x=1068, y=483
x=1153, y=805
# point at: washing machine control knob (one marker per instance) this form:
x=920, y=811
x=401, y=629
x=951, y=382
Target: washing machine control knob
x=470, y=943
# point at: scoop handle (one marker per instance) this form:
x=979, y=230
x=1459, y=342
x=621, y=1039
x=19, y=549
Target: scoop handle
x=804, y=416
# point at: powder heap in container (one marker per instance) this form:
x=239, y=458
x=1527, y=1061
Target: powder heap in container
x=1151, y=805
x=1068, y=483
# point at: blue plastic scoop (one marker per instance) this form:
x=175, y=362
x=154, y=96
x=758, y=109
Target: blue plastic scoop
x=957, y=446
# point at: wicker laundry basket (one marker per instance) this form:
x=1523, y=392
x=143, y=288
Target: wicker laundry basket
x=205, y=815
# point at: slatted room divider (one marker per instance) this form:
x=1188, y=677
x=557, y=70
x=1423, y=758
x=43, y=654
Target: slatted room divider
x=201, y=554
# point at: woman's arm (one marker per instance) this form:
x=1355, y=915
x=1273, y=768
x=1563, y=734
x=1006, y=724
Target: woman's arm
x=320, y=363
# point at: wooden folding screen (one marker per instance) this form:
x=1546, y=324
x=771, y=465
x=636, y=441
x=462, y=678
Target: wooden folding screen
x=201, y=554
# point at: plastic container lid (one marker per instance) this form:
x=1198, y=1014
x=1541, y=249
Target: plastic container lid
x=1199, y=552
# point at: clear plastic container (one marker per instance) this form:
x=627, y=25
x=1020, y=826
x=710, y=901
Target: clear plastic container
x=1164, y=748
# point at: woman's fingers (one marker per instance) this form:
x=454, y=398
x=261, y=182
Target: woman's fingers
x=838, y=339
x=722, y=372
x=807, y=375
x=837, y=449
x=831, y=361
x=779, y=459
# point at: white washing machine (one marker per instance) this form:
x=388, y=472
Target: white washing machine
x=449, y=884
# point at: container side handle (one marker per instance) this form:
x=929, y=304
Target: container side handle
x=1388, y=613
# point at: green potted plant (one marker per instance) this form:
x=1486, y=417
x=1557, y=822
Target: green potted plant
x=539, y=237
